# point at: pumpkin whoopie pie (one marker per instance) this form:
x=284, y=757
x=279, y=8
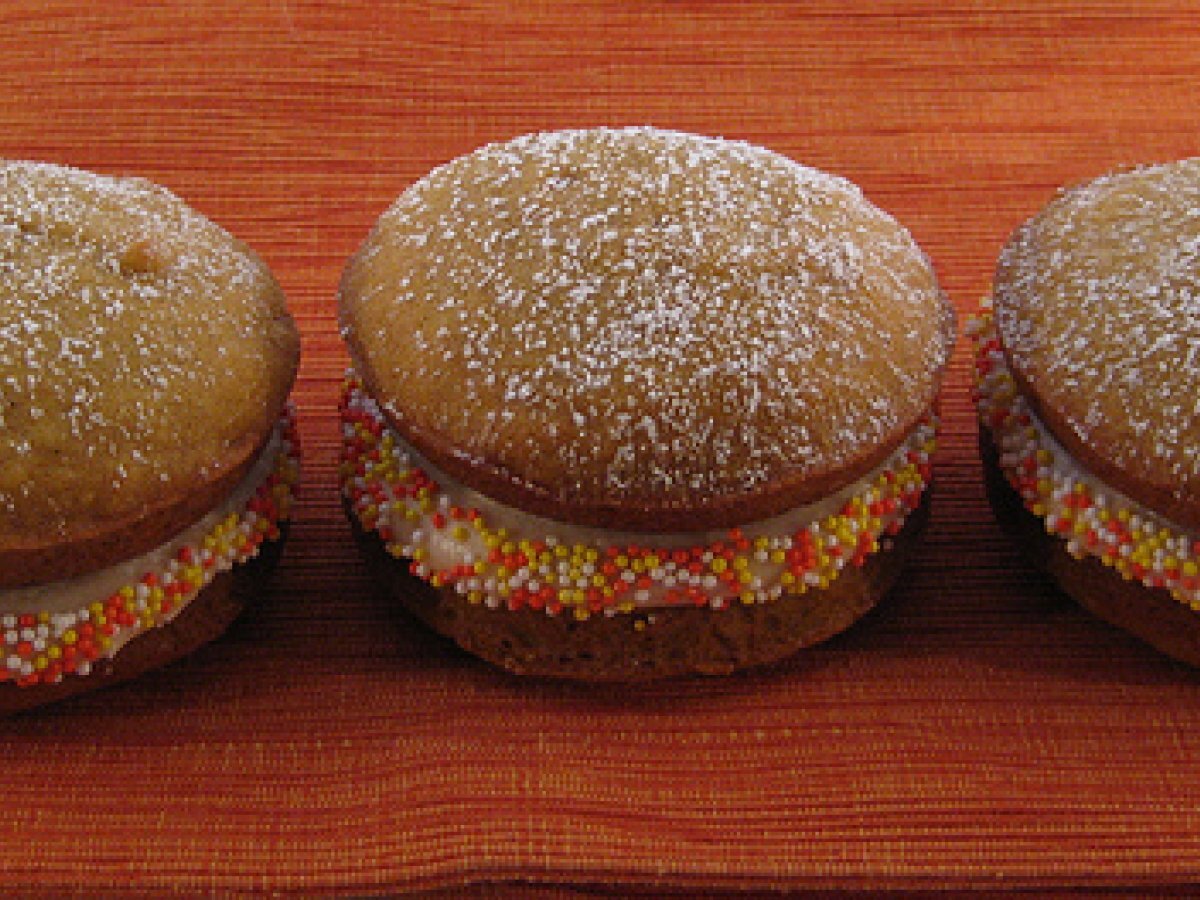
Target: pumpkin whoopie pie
x=146, y=452
x=631, y=403
x=1089, y=397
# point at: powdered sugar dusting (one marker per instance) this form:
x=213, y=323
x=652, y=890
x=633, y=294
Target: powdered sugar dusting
x=122, y=311
x=1098, y=305
x=645, y=315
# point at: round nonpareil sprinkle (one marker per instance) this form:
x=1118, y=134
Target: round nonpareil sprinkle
x=40, y=647
x=452, y=537
x=1092, y=518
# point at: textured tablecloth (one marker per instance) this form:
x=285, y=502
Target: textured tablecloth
x=977, y=731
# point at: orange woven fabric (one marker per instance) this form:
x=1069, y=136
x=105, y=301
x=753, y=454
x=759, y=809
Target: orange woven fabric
x=976, y=731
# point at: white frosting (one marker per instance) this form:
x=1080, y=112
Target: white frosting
x=73, y=593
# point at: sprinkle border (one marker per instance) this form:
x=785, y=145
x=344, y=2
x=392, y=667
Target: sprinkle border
x=379, y=480
x=43, y=647
x=1075, y=506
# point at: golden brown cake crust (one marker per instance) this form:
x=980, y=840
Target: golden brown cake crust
x=1097, y=302
x=145, y=356
x=653, y=643
x=644, y=329
x=1151, y=614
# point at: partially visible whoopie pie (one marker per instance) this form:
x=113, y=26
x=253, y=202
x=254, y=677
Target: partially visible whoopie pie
x=146, y=449
x=632, y=403
x=1089, y=397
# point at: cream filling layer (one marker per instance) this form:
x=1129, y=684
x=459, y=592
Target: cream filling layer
x=100, y=612
x=1090, y=516
x=499, y=556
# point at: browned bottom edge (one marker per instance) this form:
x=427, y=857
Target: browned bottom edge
x=648, y=644
x=205, y=618
x=1151, y=614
